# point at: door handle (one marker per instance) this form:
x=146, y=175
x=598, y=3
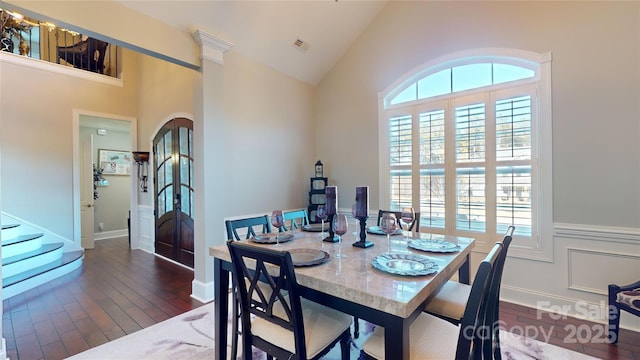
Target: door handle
x=89, y=205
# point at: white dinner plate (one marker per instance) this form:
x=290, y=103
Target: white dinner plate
x=437, y=246
x=404, y=264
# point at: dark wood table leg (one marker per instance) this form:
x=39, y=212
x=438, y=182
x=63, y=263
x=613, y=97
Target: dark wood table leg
x=221, y=308
x=396, y=340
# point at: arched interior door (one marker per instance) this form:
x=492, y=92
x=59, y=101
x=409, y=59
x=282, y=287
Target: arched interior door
x=173, y=155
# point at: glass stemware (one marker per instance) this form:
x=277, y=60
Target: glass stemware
x=277, y=220
x=340, y=226
x=321, y=213
x=353, y=213
x=407, y=215
x=388, y=225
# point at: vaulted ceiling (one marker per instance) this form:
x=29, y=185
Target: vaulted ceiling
x=267, y=30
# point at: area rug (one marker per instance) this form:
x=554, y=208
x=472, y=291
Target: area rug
x=190, y=337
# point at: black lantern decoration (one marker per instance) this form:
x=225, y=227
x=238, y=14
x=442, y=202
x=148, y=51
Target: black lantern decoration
x=319, y=169
x=142, y=159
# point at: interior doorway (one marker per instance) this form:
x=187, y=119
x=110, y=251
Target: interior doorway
x=173, y=194
x=103, y=201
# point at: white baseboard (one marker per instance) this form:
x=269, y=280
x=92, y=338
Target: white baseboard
x=202, y=292
x=564, y=306
x=110, y=234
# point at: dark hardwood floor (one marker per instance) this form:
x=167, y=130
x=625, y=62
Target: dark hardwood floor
x=119, y=291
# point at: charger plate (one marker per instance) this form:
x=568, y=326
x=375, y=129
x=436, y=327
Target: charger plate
x=270, y=238
x=308, y=257
x=436, y=246
x=404, y=264
x=316, y=227
x=376, y=230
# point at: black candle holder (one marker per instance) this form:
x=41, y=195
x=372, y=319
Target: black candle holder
x=332, y=238
x=363, y=242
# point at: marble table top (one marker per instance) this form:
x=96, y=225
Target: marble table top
x=353, y=278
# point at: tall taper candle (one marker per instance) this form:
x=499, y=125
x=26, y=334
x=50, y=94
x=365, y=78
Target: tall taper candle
x=331, y=193
x=362, y=201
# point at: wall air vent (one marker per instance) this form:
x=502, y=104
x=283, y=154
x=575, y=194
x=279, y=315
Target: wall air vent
x=301, y=45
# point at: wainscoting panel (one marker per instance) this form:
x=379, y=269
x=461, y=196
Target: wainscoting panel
x=588, y=259
x=581, y=264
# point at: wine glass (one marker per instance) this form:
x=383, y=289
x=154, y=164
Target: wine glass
x=407, y=215
x=388, y=225
x=353, y=213
x=340, y=226
x=321, y=213
x=277, y=220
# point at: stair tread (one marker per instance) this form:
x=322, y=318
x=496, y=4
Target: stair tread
x=66, y=258
x=45, y=248
x=9, y=226
x=21, y=238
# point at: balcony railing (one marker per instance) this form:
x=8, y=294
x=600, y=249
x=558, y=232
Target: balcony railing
x=45, y=41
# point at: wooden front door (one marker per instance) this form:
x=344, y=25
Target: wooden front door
x=173, y=166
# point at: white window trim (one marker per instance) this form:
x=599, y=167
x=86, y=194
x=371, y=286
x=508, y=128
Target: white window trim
x=542, y=138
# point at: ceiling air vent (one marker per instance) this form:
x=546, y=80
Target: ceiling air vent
x=301, y=45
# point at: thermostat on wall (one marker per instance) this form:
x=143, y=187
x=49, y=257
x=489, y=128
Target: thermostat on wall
x=102, y=132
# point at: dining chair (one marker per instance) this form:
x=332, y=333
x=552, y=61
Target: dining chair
x=248, y=224
x=414, y=225
x=293, y=215
x=625, y=297
x=434, y=338
x=275, y=318
x=450, y=301
x=232, y=235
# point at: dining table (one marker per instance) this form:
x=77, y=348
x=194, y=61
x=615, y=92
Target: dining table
x=362, y=282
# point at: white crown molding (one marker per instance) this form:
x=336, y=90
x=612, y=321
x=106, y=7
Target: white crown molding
x=212, y=47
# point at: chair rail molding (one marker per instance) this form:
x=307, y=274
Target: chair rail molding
x=597, y=233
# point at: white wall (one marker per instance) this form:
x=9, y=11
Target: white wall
x=37, y=107
x=596, y=131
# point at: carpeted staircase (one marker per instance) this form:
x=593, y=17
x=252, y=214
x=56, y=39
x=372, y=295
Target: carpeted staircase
x=32, y=257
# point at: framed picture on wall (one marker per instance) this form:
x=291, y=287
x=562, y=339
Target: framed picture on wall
x=114, y=162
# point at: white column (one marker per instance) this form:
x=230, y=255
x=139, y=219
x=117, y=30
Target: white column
x=210, y=143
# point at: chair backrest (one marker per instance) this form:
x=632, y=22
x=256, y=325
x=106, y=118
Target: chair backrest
x=493, y=306
x=471, y=338
x=415, y=225
x=248, y=223
x=276, y=299
x=293, y=216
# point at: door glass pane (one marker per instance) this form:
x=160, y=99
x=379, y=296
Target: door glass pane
x=185, y=199
x=161, y=207
x=190, y=143
x=184, y=170
x=161, y=176
x=169, y=202
x=168, y=144
x=184, y=141
x=159, y=151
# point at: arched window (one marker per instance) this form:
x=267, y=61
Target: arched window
x=461, y=142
